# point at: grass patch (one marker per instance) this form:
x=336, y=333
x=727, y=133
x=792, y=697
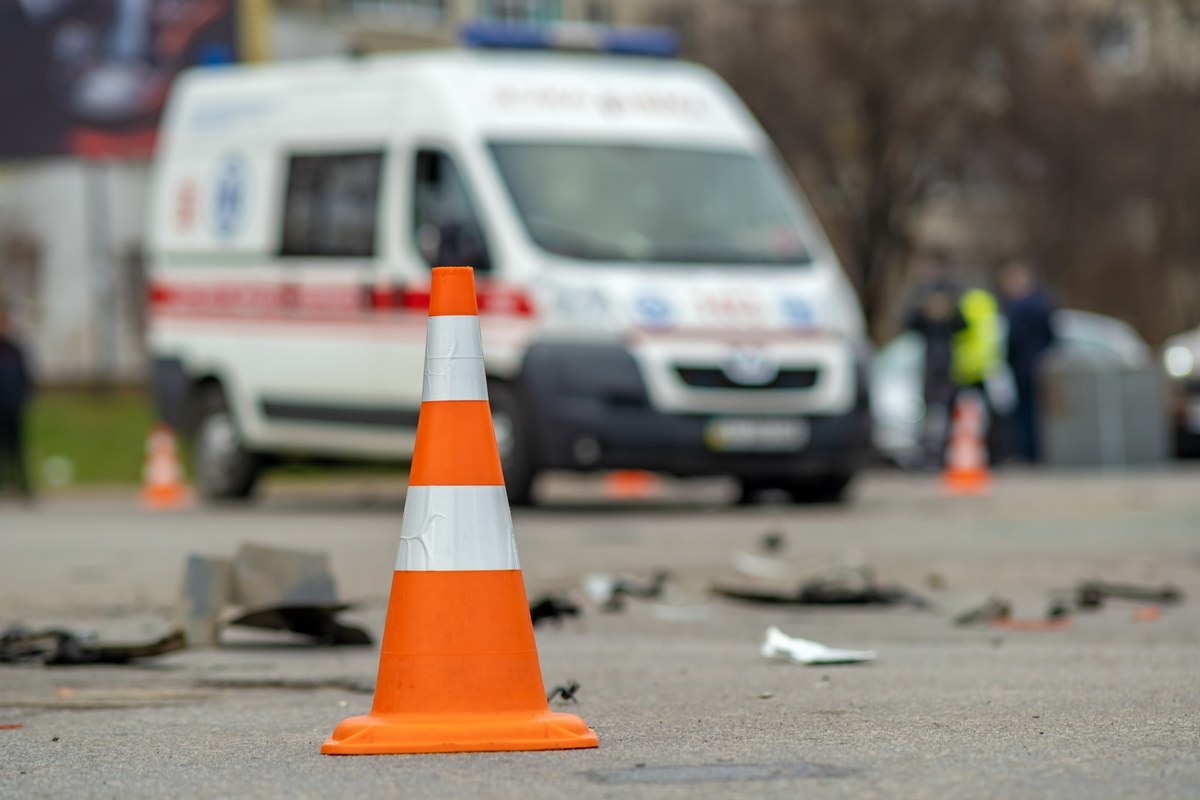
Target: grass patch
x=100, y=434
x=94, y=437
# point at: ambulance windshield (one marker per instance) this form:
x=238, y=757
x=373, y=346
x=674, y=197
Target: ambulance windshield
x=612, y=202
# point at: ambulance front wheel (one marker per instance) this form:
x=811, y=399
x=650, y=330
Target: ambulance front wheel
x=512, y=440
x=224, y=470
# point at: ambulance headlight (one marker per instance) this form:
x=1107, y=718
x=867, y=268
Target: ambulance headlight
x=1179, y=361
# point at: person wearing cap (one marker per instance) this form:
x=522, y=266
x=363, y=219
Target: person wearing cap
x=15, y=389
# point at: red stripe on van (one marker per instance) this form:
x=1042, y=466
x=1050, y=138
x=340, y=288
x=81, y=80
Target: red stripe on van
x=305, y=301
x=491, y=299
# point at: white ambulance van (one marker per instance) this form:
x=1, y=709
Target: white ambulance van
x=654, y=290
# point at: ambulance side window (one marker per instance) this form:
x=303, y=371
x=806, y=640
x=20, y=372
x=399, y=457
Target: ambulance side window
x=446, y=228
x=330, y=206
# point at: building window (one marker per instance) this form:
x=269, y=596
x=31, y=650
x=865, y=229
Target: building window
x=529, y=11
x=330, y=206
x=429, y=11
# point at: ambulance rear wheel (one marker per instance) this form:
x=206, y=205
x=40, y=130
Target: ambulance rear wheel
x=223, y=468
x=512, y=440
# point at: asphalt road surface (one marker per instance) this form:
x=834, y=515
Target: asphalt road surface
x=684, y=704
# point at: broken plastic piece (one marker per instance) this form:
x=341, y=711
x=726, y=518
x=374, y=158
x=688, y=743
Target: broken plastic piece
x=1147, y=613
x=566, y=692
x=1092, y=594
x=610, y=591
x=553, y=608
x=822, y=593
x=314, y=620
x=778, y=644
x=263, y=587
x=62, y=647
x=992, y=609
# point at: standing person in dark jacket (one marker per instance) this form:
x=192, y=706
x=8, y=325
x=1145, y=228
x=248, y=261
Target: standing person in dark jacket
x=934, y=313
x=1030, y=312
x=15, y=389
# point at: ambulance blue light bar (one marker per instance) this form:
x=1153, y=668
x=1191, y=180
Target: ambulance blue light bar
x=657, y=42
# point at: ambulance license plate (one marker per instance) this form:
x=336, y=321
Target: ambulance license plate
x=756, y=434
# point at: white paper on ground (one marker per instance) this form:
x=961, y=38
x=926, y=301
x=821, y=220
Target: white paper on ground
x=778, y=644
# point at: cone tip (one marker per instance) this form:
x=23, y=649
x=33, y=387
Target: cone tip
x=453, y=292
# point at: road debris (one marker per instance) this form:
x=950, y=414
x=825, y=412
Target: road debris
x=774, y=580
x=779, y=645
x=263, y=587
x=1058, y=610
x=993, y=608
x=63, y=647
x=997, y=612
x=824, y=592
x=1147, y=614
x=552, y=608
x=610, y=591
x=316, y=621
x=768, y=562
x=565, y=694
x=1092, y=594
x=773, y=542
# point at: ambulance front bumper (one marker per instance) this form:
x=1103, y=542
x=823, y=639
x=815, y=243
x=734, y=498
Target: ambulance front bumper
x=587, y=408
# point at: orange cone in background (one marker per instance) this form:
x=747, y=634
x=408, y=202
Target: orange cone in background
x=162, y=476
x=966, y=458
x=630, y=484
x=458, y=668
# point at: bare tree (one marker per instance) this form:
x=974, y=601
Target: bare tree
x=1104, y=175
x=871, y=102
x=879, y=105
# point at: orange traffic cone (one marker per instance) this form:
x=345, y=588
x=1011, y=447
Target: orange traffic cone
x=458, y=668
x=162, y=476
x=966, y=458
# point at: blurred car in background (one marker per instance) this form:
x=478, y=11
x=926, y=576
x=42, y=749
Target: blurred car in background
x=1181, y=360
x=897, y=404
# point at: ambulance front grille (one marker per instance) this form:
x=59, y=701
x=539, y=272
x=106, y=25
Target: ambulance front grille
x=714, y=378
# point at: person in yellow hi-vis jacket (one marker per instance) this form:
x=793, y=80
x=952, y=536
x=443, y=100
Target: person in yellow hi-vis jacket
x=977, y=360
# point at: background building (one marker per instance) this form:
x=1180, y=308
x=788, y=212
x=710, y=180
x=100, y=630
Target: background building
x=1057, y=130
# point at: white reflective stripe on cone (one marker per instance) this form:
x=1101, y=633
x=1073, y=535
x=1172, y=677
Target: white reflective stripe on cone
x=454, y=360
x=457, y=528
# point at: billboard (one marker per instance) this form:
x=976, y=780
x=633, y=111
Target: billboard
x=90, y=77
